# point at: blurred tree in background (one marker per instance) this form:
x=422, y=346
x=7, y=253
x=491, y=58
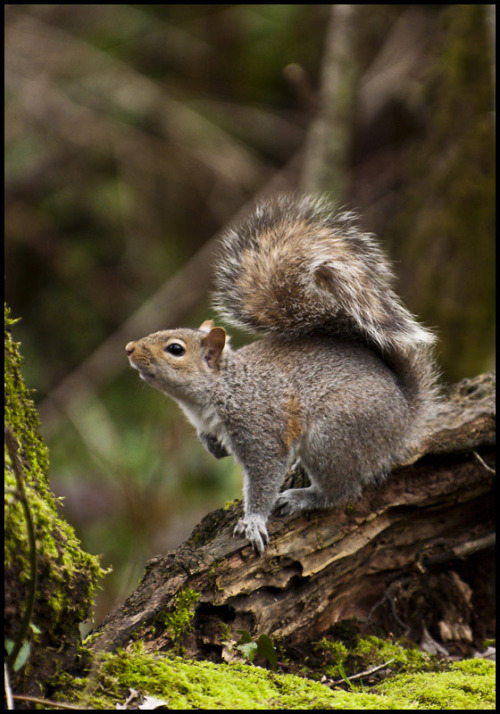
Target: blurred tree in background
x=134, y=133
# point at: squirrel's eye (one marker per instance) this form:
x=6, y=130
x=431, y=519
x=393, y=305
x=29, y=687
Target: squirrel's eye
x=174, y=348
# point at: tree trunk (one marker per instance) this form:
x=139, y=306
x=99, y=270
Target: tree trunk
x=413, y=556
x=49, y=580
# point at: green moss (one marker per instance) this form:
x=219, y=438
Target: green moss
x=178, y=621
x=66, y=575
x=185, y=684
x=225, y=633
x=367, y=652
x=427, y=683
x=371, y=651
x=469, y=684
x=335, y=655
x=203, y=685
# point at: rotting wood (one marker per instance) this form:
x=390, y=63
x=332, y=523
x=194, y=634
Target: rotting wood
x=363, y=562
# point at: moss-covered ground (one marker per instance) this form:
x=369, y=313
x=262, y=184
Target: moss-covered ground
x=185, y=684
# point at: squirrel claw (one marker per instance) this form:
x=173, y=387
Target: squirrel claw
x=253, y=528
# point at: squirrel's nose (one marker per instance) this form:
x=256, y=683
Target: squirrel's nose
x=130, y=347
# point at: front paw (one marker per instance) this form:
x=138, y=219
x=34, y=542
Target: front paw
x=254, y=529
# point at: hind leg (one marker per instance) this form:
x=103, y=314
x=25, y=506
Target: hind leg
x=336, y=474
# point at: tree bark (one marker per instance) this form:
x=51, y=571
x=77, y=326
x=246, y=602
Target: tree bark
x=413, y=556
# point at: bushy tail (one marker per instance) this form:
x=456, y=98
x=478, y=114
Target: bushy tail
x=295, y=267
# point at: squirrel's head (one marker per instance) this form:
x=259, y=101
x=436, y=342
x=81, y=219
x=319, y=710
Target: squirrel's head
x=179, y=361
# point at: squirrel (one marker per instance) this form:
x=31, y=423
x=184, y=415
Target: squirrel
x=342, y=382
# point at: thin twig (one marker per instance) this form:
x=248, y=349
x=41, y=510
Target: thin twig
x=366, y=672
x=388, y=596
x=462, y=551
x=8, y=691
x=48, y=702
x=483, y=463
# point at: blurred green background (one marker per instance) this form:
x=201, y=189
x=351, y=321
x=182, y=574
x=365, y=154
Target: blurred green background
x=134, y=133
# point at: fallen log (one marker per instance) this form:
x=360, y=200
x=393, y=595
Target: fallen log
x=413, y=556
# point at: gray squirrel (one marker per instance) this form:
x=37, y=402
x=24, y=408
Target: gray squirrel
x=343, y=380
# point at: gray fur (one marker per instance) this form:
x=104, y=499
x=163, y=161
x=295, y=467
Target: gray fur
x=356, y=420
x=343, y=379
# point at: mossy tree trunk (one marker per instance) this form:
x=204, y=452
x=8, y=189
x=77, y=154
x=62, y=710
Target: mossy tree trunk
x=49, y=579
x=414, y=556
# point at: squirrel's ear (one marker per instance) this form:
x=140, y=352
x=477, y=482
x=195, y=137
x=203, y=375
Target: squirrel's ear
x=207, y=326
x=214, y=343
